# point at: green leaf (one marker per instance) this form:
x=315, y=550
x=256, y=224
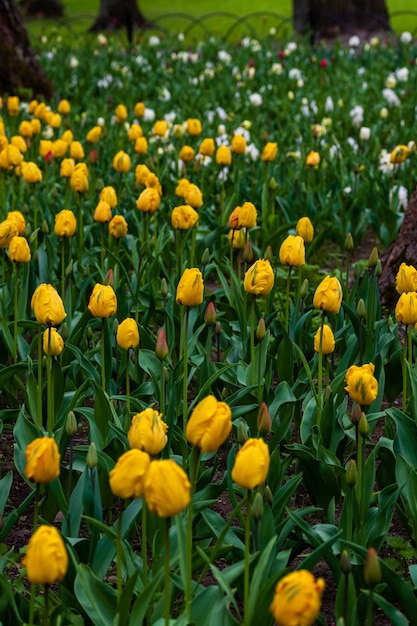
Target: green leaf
x=5, y=486
x=98, y=599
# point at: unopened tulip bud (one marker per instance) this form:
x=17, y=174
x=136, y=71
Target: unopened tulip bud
x=166, y=375
x=260, y=329
x=115, y=327
x=268, y=497
x=99, y=184
x=45, y=227
x=44, y=362
x=242, y=435
x=161, y=348
x=164, y=288
x=372, y=568
x=71, y=425
x=304, y=288
x=109, y=279
x=345, y=564
x=69, y=268
x=64, y=331
x=363, y=425
x=378, y=268
x=258, y=507
x=89, y=333
x=218, y=329
x=349, y=243
x=269, y=255
x=33, y=237
x=205, y=258
x=273, y=184
x=263, y=421
x=210, y=314
x=351, y=473
x=361, y=310
x=248, y=253
x=356, y=415
x=224, y=393
x=92, y=459
x=373, y=258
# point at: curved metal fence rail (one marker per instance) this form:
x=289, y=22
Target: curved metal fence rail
x=200, y=26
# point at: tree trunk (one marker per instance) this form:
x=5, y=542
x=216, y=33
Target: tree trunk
x=43, y=8
x=116, y=14
x=330, y=18
x=20, y=70
x=402, y=250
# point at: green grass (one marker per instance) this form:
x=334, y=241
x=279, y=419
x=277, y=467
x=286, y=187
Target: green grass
x=181, y=16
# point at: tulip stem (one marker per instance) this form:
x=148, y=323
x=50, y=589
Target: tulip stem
x=102, y=246
x=370, y=608
x=80, y=227
x=16, y=293
x=119, y=559
x=103, y=365
x=246, y=618
x=144, y=545
x=361, y=538
x=287, y=301
x=185, y=370
x=195, y=458
x=49, y=390
x=259, y=372
x=404, y=398
x=63, y=269
x=252, y=341
x=167, y=591
x=39, y=376
x=46, y=606
x=127, y=390
x=320, y=374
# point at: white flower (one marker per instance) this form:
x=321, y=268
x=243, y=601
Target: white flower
x=165, y=94
x=329, y=106
x=224, y=57
x=391, y=81
x=170, y=117
x=354, y=41
x=391, y=97
x=221, y=129
x=48, y=132
x=221, y=114
x=223, y=174
x=357, y=115
x=255, y=99
x=347, y=190
x=102, y=39
x=154, y=41
x=276, y=68
x=149, y=115
x=292, y=46
x=252, y=151
x=385, y=164
x=290, y=95
x=401, y=74
x=361, y=70
x=383, y=113
x=406, y=37
x=374, y=41
x=247, y=124
x=300, y=83
x=400, y=193
x=272, y=31
x=365, y=133
x=294, y=73
x=74, y=62
x=411, y=146
x=181, y=37
x=353, y=144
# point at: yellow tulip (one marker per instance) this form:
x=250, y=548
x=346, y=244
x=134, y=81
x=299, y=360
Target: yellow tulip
x=190, y=288
x=209, y=425
x=47, y=305
x=42, y=460
x=186, y=154
x=18, y=218
x=406, y=308
x=149, y=200
x=65, y=223
x=312, y=159
x=238, y=144
x=8, y=230
x=103, y=301
x=167, y=488
x=19, y=250
x=328, y=295
x=297, y=599
x=292, y=251
x=251, y=464
x=46, y=559
x=127, y=334
x=304, y=229
x=109, y=195
x=194, y=127
x=362, y=386
x=270, y=151
x=207, y=147
x=328, y=342
x=121, y=162
x=102, y=212
x=193, y=196
x=52, y=342
x=259, y=278
x=184, y=217
x=223, y=156
x=128, y=475
x=118, y=227
x=399, y=154
x=148, y=431
x=406, y=279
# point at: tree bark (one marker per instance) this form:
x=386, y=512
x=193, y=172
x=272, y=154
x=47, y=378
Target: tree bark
x=20, y=69
x=43, y=8
x=329, y=18
x=116, y=14
x=402, y=250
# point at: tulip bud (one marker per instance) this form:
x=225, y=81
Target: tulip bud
x=89, y=333
x=373, y=258
x=345, y=564
x=164, y=288
x=260, y=329
x=372, y=568
x=304, y=288
x=109, y=279
x=378, y=268
x=161, y=348
x=268, y=497
x=68, y=269
x=92, y=459
x=99, y=184
x=115, y=327
x=363, y=425
x=44, y=362
x=248, y=253
x=64, y=331
x=71, y=425
x=269, y=255
x=356, y=415
x=205, y=258
x=263, y=421
x=218, y=329
x=258, y=507
x=242, y=435
x=45, y=227
x=210, y=314
x=166, y=375
x=361, y=310
x=351, y=473
x=224, y=394
x=273, y=183
x=349, y=243
x=33, y=237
